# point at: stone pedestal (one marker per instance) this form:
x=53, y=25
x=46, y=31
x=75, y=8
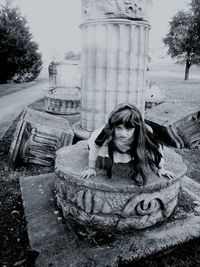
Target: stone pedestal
x=64, y=73
x=117, y=203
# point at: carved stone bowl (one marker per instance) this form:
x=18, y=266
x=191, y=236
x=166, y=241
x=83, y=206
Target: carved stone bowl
x=115, y=204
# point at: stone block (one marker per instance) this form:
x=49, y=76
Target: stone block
x=117, y=203
x=37, y=137
x=175, y=124
x=65, y=73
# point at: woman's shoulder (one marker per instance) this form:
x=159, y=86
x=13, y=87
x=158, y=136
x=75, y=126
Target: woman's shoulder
x=149, y=128
x=95, y=134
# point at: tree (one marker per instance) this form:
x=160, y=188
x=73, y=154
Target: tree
x=183, y=39
x=19, y=58
x=195, y=6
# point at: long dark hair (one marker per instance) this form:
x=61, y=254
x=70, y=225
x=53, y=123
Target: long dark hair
x=144, y=149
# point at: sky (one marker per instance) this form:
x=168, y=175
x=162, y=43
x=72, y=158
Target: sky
x=55, y=24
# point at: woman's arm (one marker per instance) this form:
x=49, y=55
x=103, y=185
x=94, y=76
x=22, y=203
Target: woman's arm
x=93, y=154
x=161, y=170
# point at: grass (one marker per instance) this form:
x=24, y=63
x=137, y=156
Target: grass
x=177, y=89
x=14, y=243
x=10, y=88
x=6, y=89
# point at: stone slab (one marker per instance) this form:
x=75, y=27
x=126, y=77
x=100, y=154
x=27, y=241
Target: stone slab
x=169, y=112
x=191, y=188
x=45, y=228
x=58, y=246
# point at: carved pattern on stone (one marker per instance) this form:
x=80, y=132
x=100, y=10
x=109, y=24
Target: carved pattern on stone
x=188, y=131
x=97, y=208
x=135, y=9
x=62, y=100
x=117, y=203
x=146, y=207
x=182, y=133
x=37, y=138
x=40, y=147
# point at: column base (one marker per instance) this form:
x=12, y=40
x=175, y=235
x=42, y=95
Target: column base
x=115, y=204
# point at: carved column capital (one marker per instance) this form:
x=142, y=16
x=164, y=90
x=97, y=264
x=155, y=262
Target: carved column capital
x=132, y=9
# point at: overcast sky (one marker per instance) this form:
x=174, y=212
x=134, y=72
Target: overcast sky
x=55, y=23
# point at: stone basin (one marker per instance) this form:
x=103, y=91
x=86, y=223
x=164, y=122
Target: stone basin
x=115, y=204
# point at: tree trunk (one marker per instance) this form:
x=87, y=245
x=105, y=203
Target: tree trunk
x=187, y=69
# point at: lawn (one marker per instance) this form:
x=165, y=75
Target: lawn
x=14, y=245
x=6, y=89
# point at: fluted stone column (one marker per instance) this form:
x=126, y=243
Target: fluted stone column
x=114, y=55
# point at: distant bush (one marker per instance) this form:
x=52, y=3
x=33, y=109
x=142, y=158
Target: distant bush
x=71, y=55
x=19, y=57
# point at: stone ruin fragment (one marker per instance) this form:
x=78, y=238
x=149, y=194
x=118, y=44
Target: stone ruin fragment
x=175, y=124
x=115, y=204
x=62, y=101
x=37, y=137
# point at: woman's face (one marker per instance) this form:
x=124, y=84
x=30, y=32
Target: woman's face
x=123, y=133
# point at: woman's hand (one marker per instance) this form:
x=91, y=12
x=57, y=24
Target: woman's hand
x=88, y=173
x=169, y=174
